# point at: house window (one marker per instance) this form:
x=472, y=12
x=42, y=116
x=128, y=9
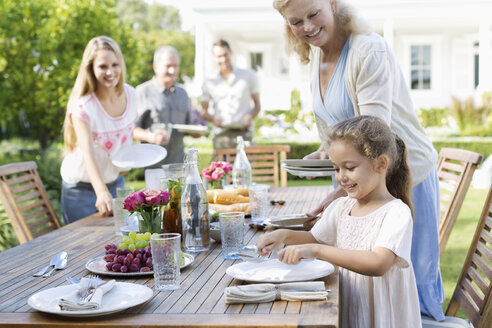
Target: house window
x=256, y=59
x=420, y=67
x=476, y=64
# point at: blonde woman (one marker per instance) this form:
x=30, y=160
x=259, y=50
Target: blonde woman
x=354, y=72
x=100, y=118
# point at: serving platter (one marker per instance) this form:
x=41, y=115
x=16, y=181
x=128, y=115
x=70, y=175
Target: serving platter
x=98, y=266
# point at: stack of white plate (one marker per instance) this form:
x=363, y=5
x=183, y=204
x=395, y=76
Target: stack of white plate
x=309, y=167
x=291, y=221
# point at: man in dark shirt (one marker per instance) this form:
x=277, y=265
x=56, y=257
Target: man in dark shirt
x=162, y=102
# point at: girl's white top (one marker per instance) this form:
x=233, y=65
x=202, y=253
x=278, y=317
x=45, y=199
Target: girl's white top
x=387, y=301
x=109, y=135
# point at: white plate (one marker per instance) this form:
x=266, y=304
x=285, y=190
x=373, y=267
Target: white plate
x=122, y=296
x=308, y=162
x=98, y=265
x=309, y=173
x=275, y=271
x=286, y=226
x=307, y=168
x=188, y=128
x=139, y=155
x=289, y=220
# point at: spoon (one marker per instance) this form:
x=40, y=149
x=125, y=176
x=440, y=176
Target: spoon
x=60, y=263
x=53, y=261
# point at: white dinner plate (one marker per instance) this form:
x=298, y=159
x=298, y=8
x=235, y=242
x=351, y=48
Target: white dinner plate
x=139, y=155
x=289, y=220
x=274, y=271
x=98, y=265
x=189, y=128
x=308, y=168
x=122, y=296
x=309, y=173
x=308, y=162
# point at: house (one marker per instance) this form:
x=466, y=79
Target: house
x=444, y=47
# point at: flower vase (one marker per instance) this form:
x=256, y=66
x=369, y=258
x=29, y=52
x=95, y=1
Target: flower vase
x=151, y=220
x=216, y=184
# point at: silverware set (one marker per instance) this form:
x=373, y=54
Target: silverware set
x=58, y=262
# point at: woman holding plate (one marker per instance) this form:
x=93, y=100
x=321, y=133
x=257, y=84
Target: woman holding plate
x=99, y=121
x=354, y=72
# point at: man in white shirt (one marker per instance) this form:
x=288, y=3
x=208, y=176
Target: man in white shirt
x=234, y=96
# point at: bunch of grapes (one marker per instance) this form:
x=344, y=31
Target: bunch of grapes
x=120, y=259
x=134, y=240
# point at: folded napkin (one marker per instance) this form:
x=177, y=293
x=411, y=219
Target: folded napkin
x=70, y=301
x=259, y=293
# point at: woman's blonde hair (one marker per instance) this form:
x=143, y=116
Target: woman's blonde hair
x=86, y=82
x=345, y=18
x=372, y=137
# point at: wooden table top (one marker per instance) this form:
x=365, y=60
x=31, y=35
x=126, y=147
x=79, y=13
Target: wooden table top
x=199, y=302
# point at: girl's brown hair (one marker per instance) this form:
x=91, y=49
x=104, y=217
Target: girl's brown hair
x=86, y=82
x=345, y=18
x=372, y=137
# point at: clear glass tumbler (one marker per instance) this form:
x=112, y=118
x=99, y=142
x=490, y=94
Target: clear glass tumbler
x=259, y=202
x=166, y=255
x=231, y=234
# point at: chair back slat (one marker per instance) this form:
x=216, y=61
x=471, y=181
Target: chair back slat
x=264, y=160
x=474, y=288
x=25, y=201
x=455, y=171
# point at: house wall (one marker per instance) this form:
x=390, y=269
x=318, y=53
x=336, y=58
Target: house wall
x=450, y=27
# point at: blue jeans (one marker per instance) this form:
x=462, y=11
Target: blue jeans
x=78, y=200
x=425, y=246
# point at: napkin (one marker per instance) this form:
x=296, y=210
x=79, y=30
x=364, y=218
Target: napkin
x=259, y=293
x=70, y=301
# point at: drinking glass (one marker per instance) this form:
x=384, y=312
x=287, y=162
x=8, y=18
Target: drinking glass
x=258, y=200
x=166, y=256
x=153, y=178
x=122, y=192
x=162, y=128
x=231, y=234
x=119, y=216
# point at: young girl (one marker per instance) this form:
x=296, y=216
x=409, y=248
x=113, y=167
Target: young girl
x=99, y=121
x=367, y=234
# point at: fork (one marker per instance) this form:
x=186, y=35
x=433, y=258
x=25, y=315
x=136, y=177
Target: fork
x=89, y=289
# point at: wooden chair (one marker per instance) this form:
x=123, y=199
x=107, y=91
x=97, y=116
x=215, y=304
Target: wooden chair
x=473, y=293
x=264, y=160
x=455, y=170
x=25, y=201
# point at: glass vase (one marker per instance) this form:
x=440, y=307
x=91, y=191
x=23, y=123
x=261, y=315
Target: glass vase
x=216, y=184
x=150, y=220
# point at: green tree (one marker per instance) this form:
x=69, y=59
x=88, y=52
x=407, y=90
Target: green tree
x=41, y=46
x=148, y=17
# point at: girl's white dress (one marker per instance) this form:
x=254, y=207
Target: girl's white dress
x=387, y=301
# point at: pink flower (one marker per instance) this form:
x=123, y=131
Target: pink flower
x=227, y=167
x=144, y=199
x=217, y=174
x=134, y=201
x=216, y=170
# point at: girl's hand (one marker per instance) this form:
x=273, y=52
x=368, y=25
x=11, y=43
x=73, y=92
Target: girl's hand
x=294, y=254
x=103, y=203
x=269, y=241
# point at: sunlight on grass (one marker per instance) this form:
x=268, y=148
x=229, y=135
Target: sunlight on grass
x=454, y=255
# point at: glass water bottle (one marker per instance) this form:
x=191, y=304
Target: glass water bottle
x=194, y=207
x=241, y=169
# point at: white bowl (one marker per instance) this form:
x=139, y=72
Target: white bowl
x=215, y=231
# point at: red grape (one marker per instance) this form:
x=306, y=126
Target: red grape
x=116, y=267
x=149, y=262
x=134, y=268
x=111, y=251
x=109, y=265
x=119, y=251
x=144, y=269
x=109, y=257
x=126, y=251
x=136, y=261
x=124, y=268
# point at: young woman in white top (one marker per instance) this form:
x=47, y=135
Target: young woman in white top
x=367, y=234
x=100, y=118
x=354, y=72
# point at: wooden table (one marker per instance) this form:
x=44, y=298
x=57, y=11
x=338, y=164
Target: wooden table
x=199, y=302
